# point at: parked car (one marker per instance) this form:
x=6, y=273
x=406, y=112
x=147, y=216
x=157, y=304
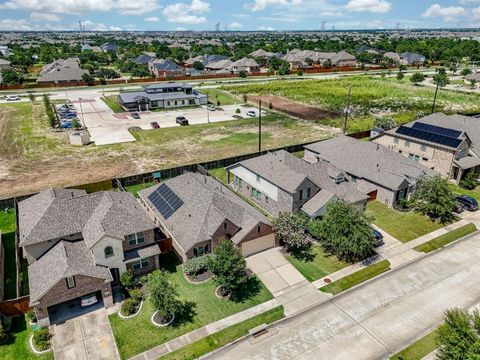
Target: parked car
x=88, y=300
x=459, y=207
x=66, y=125
x=470, y=203
x=378, y=237
x=154, y=125
x=181, y=120
x=251, y=113
x=135, y=115
x=69, y=115
x=211, y=108
x=12, y=98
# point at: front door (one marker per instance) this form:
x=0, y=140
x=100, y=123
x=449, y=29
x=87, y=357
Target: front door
x=116, y=276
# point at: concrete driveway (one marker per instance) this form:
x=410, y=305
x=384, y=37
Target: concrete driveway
x=379, y=318
x=286, y=283
x=87, y=337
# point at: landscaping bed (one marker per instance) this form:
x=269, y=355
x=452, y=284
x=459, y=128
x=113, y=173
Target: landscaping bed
x=447, y=238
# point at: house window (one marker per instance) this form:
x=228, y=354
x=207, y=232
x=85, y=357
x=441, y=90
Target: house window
x=225, y=225
x=141, y=264
x=395, y=140
x=136, y=239
x=308, y=192
x=423, y=147
x=201, y=250
x=258, y=228
x=168, y=103
x=301, y=194
x=256, y=194
x=176, y=102
x=424, y=159
x=108, y=251
x=183, y=102
x=407, y=143
x=414, y=157
x=71, y=282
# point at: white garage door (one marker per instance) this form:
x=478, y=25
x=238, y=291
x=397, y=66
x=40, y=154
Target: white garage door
x=254, y=246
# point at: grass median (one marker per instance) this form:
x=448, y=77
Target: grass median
x=234, y=332
x=419, y=349
x=356, y=278
x=447, y=238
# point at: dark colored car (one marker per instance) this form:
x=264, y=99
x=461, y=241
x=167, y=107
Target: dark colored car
x=154, y=125
x=470, y=203
x=68, y=115
x=378, y=237
x=181, y=120
x=136, y=115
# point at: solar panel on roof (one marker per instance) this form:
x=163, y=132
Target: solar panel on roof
x=437, y=130
x=165, y=201
x=428, y=136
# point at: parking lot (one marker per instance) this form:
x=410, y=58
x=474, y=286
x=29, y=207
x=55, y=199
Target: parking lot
x=106, y=127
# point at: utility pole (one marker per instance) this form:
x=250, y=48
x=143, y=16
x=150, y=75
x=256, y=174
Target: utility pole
x=435, y=97
x=346, y=111
x=259, y=125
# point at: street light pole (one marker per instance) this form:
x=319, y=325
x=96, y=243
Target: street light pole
x=81, y=112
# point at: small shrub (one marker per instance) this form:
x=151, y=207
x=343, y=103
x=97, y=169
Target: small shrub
x=41, y=339
x=136, y=294
x=129, y=307
x=219, y=103
x=31, y=316
x=237, y=111
x=469, y=182
x=126, y=279
x=3, y=333
x=196, y=265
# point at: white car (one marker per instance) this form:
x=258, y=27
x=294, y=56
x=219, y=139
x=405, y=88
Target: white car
x=12, y=98
x=88, y=300
x=251, y=113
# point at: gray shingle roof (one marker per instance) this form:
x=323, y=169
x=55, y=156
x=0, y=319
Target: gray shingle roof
x=142, y=252
x=206, y=205
x=65, y=259
x=62, y=71
x=369, y=161
x=57, y=213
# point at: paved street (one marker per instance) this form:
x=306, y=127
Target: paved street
x=87, y=337
x=379, y=318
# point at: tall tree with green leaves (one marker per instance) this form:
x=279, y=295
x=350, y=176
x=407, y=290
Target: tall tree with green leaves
x=434, y=198
x=345, y=232
x=163, y=294
x=290, y=229
x=417, y=78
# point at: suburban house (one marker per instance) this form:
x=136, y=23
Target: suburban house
x=205, y=59
x=4, y=64
x=395, y=58
x=165, y=68
x=161, y=96
x=309, y=58
x=450, y=145
x=96, y=49
x=343, y=58
x=78, y=244
x=143, y=59
x=221, y=65
x=197, y=211
x=5, y=51
x=377, y=171
x=281, y=182
x=260, y=53
x=412, y=59
x=61, y=70
x=245, y=64
x=109, y=47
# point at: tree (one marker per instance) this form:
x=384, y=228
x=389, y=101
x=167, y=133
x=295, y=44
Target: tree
x=10, y=77
x=441, y=80
x=127, y=280
x=300, y=72
x=466, y=72
x=417, y=78
x=89, y=79
x=198, y=65
x=140, y=71
x=434, y=198
x=453, y=67
x=402, y=67
x=473, y=83
x=469, y=181
x=229, y=267
x=163, y=294
x=290, y=229
x=458, y=337
x=385, y=123
x=245, y=98
x=242, y=74
x=400, y=76
x=345, y=232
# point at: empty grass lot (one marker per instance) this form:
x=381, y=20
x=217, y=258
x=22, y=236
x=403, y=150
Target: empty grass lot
x=447, y=238
x=404, y=226
x=215, y=95
x=320, y=266
x=419, y=349
x=356, y=278
x=17, y=347
x=202, y=307
x=212, y=342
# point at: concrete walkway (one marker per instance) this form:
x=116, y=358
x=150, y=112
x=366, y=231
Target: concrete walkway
x=202, y=332
x=284, y=281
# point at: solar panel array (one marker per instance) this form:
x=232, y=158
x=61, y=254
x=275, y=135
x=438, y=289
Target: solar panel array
x=428, y=136
x=437, y=130
x=165, y=201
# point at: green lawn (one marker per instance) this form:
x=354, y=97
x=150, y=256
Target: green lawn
x=17, y=347
x=212, y=342
x=447, y=238
x=134, y=189
x=215, y=95
x=419, y=349
x=112, y=102
x=357, y=277
x=404, y=226
x=321, y=265
x=220, y=174
x=475, y=193
x=202, y=307
x=7, y=221
x=7, y=227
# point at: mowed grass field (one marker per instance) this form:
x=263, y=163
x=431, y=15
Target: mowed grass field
x=34, y=157
x=370, y=96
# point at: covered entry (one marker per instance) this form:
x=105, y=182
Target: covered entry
x=259, y=244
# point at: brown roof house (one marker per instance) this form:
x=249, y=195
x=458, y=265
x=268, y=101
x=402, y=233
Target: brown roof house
x=78, y=244
x=197, y=211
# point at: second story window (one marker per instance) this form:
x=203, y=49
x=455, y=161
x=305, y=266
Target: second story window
x=108, y=251
x=136, y=239
x=71, y=282
x=301, y=194
x=308, y=192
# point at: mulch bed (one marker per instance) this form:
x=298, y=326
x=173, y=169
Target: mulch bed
x=160, y=321
x=199, y=278
x=302, y=111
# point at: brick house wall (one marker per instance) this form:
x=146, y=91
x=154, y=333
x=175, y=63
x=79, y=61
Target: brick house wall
x=259, y=231
x=153, y=264
x=149, y=239
x=60, y=293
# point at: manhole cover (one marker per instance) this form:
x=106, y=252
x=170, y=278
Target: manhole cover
x=327, y=280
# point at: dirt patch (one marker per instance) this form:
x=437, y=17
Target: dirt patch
x=302, y=111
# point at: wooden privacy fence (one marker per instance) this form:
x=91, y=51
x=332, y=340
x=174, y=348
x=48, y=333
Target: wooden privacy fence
x=16, y=306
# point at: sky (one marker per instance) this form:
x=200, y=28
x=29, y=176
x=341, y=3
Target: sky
x=241, y=15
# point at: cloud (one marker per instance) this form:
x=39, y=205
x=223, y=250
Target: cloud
x=259, y=5
x=184, y=13
x=476, y=13
x=132, y=7
x=266, y=28
x=14, y=24
x=90, y=25
x=373, y=6
x=235, y=25
x=152, y=19
x=449, y=13
x=36, y=16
